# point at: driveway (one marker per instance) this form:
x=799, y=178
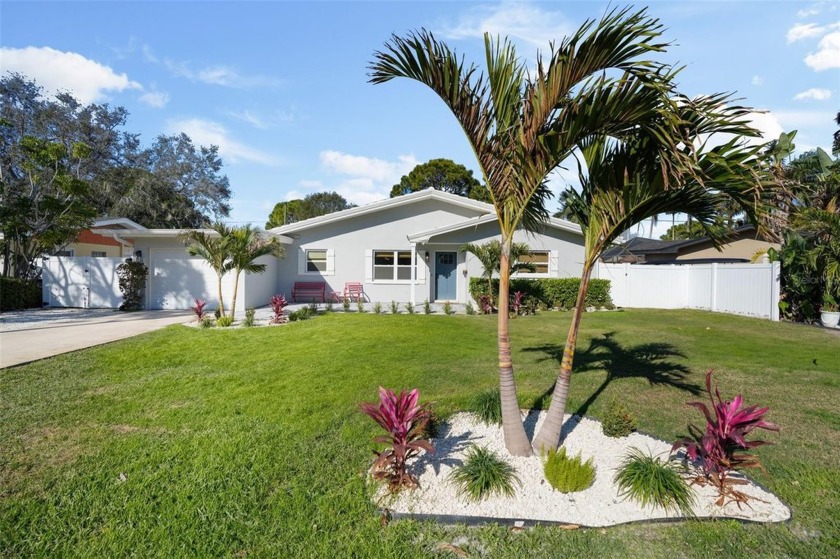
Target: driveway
x=31, y=335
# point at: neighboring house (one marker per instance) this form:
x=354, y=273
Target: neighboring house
x=103, y=246
x=744, y=243
x=404, y=249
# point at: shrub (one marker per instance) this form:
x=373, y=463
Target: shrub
x=224, y=321
x=720, y=446
x=395, y=309
x=250, y=315
x=207, y=322
x=198, y=309
x=470, y=308
x=329, y=307
x=618, y=421
x=377, y=308
x=17, y=294
x=649, y=481
x=568, y=475
x=132, y=280
x=517, y=303
x=346, y=304
x=427, y=307
x=360, y=305
x=409, y=308
x=447, y=308
x=483, y=474
x=313, y=307
x=304, y=313
x=558, y=293
x=278, y=303
x=404, y=420
x=486, y=304
x=488, y=407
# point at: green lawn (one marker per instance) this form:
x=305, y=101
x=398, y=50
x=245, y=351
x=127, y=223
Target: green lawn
x=250, y=443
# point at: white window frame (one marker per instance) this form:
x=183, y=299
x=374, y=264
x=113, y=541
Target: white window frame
x=329, y=260
x=64, y=253
x=546, y=274
x=395, y=266
x=98, y=254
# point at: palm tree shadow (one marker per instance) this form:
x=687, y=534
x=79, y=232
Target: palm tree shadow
x=446, y=447
x=653, y=362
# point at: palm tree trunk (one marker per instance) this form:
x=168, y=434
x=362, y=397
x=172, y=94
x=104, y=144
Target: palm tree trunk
x=516, y=440
x=221, y=300
x=549, y=436
x=235, y=289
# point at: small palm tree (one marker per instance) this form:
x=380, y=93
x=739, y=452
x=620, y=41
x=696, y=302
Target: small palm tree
x=245, y=245
x=490, y=256
x=625, y=182
x=212, y=246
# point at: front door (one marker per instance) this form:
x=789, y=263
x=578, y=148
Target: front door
x=445, y=276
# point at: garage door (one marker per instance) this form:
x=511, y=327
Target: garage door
x=177, y=280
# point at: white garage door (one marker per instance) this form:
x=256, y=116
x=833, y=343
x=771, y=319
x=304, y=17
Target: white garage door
x=177, y=280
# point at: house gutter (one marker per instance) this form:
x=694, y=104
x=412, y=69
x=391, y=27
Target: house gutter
x=123, y=242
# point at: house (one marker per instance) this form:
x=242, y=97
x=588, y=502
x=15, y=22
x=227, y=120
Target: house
x=743, y=244
x=404, y=249
x=102, y=246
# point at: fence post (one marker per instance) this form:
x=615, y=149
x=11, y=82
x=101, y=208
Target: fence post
x=775, y=289
x=714, y=301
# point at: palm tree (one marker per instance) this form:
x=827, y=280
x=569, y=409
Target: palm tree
x=521, y=126
x=212, y=246
x=245, y=246
x=627, y=181
x=490, y=255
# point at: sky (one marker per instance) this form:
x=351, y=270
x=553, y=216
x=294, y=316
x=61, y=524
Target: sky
x=282, y=87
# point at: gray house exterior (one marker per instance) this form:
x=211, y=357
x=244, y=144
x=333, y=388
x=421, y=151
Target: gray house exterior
x=404, y=249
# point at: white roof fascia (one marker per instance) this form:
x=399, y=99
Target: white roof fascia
x=174, y=233
x=127, y=223
x=385, y=204
x=425, y=236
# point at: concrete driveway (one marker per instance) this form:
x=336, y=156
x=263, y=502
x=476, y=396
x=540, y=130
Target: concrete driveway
x=32, y=335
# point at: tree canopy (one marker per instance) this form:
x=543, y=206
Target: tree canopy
x=444, y=175
x=312, y=205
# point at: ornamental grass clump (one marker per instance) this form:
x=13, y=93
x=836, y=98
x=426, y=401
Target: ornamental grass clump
x=250, y=317
x=567, y=475
x=618, y=421
x=405, y=421
x=721, y=447
x=483, y=474
x=488, y=407
x=650, y=481
x=224, y=321
x=395, y=309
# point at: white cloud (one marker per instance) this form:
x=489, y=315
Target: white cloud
x=817, y=94
x=54, y=70
x=769, y=126
x=263, y=122
x=757, y=80
x=156, y=99
x=828, y=55
x=366, y=179
x=515, y=19
x=220, y=75
x=207, y=133
x=804, y=31
x=807, y=12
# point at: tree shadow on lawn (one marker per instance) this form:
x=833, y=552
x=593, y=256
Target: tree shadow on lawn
x=650, y=361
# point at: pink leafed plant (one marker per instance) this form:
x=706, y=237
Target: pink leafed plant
x=517, y=302
x=278, y=303
x=198, y=309
x=486, y=304
x=723, y=446
x=405, y=421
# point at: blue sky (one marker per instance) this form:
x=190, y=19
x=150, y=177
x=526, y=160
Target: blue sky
x=281, y=87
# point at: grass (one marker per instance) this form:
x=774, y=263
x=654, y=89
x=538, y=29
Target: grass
x=249, y=442
x=651, y=481
x=482, y=474
x=487, y=406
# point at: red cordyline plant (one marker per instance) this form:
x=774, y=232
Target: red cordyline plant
x=517, y=302
x=721, y=447
x=405, y=421
x=486, y=304
x=198, y=309
x=278, y=303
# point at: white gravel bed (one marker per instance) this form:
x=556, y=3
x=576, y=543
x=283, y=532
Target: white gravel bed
x=536, y=500
x=37, y=318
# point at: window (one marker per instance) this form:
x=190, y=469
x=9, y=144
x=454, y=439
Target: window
x=391, y=265
x=65, y=252
x=537, y=259
x=316, y=261
x=98, y=254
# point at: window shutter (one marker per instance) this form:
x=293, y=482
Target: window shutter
x=330, y=262
x=553, y=264
x=302, y=262
x=421, y=267
x=368, y=265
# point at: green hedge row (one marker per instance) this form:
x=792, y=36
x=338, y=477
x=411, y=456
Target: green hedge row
x=16, y=294
x=550, y=292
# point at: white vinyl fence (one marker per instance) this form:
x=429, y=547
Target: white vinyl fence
x=747, y=289
x=81, y=281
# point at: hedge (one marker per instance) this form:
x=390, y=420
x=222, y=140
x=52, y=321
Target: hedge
x=550, y=292
x=16, y=294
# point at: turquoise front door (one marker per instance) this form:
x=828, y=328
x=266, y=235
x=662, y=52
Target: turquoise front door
x=446, y=288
